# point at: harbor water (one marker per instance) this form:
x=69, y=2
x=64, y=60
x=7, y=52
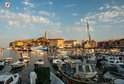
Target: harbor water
x=23, y=72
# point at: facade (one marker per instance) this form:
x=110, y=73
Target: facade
x=111, y=43
x=86, y=44
x=71, y=43
x=121, y=42
x=58, y=43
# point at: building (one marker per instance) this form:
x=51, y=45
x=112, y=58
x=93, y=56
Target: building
x=121, y=42
x=58, y=42
x=71, y=43
x=86, y=44
x=111, y=43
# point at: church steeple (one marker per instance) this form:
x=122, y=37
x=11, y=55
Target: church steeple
x=46, y=34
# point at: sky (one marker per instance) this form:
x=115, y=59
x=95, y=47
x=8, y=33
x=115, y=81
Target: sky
x=28, y=19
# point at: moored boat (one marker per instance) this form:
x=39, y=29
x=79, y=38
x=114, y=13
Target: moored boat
x=10, y=79
x=8, y=60
x=18, y=64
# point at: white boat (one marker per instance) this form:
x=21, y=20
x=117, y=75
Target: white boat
x=8, y=59
x=2, y=63
x=18, y=64
x=10, y=79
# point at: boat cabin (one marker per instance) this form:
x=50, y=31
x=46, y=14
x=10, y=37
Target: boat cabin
x=85, y=70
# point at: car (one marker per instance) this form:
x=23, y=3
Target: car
x=10, y=79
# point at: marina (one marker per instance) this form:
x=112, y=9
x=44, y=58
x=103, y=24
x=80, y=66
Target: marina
x=61, y=42
x=23, y=71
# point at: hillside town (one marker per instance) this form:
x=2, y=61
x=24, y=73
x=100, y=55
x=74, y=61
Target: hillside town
x=61, y=43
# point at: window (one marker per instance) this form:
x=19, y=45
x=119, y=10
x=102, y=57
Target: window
x=93, y=68
x=9, y=80
x=87, y=69
x=81, y=68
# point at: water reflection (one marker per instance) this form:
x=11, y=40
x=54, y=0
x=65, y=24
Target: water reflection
x=24, y=71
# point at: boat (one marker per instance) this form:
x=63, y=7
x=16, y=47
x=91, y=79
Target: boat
x=25, y=57
x=18, y=64
x=42, y=75
x=8, y=60
x=2, y=63
x=10, y=79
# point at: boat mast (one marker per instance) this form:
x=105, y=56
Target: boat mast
x=88, y=31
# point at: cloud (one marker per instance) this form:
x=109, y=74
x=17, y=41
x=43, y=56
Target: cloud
x=44, y=3
x=109, y=16
x=22, y=20
x=114, y=14
x=45, y=13
x=17, y=8
x=106, y=6
x=14, y=23
x=84, y=20
x=101, y=8
x=70, y=5
x=27, y=3
x=75, y=14
x=51, y=3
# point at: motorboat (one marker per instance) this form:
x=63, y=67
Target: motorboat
x=8, y=60
x=18, y=64
x=10, y=79
x=2, y=64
